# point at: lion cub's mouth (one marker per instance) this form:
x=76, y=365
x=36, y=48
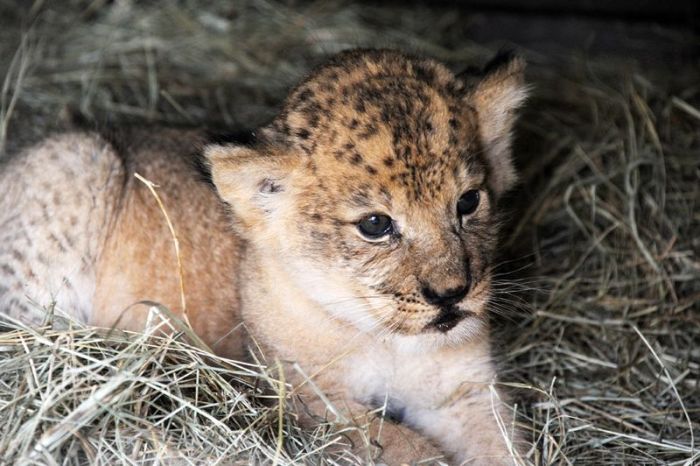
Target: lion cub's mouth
x=447, y=319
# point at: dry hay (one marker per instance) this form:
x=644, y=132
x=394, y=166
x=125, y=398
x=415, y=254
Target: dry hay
x=598, y=316
x=83, y=396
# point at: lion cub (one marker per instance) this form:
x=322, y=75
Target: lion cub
x=353, y=238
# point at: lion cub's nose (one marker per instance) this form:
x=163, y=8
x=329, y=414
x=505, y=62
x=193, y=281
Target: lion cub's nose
x=446, y=297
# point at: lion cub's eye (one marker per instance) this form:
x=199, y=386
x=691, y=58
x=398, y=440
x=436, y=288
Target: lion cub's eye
x=468, y=203
x=375, y=226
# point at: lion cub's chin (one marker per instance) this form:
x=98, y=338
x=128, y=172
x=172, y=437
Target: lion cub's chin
x=471, y=328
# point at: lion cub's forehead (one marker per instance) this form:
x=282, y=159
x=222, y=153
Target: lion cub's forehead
x=386, y=117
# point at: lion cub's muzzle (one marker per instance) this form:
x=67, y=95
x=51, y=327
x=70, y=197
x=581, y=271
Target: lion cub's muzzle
x=449, y=315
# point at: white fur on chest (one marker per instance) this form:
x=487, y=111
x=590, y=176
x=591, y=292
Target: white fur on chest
x=416, y=380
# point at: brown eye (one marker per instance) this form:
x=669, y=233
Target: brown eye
x=468, y=203
x=375, y=226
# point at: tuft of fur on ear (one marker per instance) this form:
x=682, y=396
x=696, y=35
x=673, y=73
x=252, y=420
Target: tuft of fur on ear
x=496, y=97
x=249, y=180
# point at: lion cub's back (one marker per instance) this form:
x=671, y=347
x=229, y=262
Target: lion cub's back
x=79, y=230
x=57, y=198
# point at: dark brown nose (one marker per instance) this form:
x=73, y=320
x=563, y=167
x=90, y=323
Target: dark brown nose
x=446, y=297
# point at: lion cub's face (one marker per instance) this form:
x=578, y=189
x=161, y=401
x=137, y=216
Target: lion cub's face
x=376, y=188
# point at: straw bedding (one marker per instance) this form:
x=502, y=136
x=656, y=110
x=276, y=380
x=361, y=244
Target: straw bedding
x=597, y=314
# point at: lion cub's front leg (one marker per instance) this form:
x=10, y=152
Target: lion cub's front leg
x=372, y=439
x=451, y=398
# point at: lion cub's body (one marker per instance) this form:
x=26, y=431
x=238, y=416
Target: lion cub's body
x=79, y=230
x=370, y=322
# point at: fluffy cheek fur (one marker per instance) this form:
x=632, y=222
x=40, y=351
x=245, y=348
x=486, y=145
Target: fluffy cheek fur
x=322, y=259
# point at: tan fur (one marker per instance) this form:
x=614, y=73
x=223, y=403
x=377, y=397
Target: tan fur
x=360, y=319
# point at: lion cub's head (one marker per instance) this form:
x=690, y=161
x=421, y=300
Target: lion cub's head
x=376, y=189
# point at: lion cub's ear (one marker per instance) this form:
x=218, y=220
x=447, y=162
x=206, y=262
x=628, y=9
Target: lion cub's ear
x=253, y=182
x=496, y=97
